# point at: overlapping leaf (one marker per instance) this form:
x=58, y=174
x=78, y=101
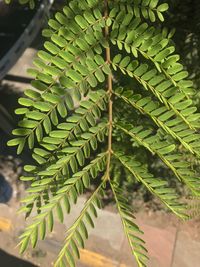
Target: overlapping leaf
x=72, y=59
x=148, y=9
x=131, y=229
x=156, y=186
x=78, y=233
x=166, y=119
x=166, y=151
x=63, y=198
x=65, y=122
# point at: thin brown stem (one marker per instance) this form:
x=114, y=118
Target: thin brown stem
x=110, y=102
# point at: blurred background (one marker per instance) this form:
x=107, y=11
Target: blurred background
x=170, y=243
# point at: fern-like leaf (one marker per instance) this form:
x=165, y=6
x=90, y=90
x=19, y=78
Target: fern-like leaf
x=66, y=195
x=79, y=118
x=166, y=152
x=166, y=119
x=78, y=233
x=156, y=186
x=131, y=229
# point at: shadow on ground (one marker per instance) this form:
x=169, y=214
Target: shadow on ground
x=8, y=260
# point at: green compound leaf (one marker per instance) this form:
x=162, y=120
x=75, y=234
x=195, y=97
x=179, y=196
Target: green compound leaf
x=106, y=82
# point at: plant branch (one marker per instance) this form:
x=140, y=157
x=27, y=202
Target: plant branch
x=110, y=103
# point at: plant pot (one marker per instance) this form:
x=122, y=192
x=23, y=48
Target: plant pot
x=18, y=27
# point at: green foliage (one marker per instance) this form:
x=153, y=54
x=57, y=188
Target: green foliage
x=156, y=186
x=131, y=230
x=81, y=118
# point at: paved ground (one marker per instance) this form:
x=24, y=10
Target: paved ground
x=20, y=69
x=169, y=245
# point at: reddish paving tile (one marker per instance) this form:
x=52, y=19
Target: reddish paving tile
x=187, y=251
x=160, y=244
x=125, y=256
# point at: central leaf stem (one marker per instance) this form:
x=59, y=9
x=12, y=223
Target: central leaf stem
x=110, y=103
